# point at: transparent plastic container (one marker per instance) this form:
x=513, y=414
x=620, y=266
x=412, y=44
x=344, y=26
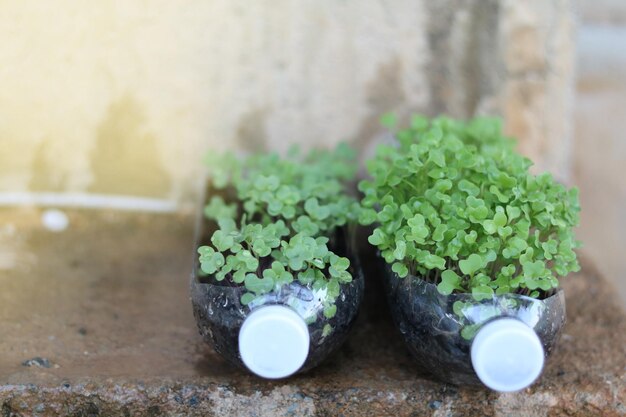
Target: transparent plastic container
x=501, y=342
x=279, y=333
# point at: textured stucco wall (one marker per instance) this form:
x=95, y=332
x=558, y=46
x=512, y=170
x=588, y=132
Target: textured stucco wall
x=124, y=97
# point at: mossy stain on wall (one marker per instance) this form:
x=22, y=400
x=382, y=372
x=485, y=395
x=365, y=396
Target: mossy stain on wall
x=384, y=94
x=125, y=159
x=47, y=175
x=251, y=131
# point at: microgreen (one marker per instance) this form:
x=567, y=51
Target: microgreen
x=454, y=203
x=282, y=222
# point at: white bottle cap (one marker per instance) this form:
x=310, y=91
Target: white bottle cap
x=274, y=342
x=507, y=355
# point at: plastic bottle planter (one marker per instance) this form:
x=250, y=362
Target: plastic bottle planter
x=501, y=342
x=281, y=332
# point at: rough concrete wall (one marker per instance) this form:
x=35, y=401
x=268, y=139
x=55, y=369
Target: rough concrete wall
x=124, y=97
x=538, y=90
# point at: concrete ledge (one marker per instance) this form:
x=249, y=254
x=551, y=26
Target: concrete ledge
x=106, y=304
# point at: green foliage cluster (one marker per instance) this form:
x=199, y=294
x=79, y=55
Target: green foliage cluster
x=278, y=227
x=454, y=203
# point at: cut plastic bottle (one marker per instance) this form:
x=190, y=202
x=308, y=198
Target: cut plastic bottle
x=501, y=342
x=279, y=333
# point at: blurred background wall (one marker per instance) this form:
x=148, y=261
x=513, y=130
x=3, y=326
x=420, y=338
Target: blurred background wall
x=599, y=157
x=124, y=97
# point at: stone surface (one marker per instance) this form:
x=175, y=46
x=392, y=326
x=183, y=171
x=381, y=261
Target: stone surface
x=138, y=91
x=106, y=304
